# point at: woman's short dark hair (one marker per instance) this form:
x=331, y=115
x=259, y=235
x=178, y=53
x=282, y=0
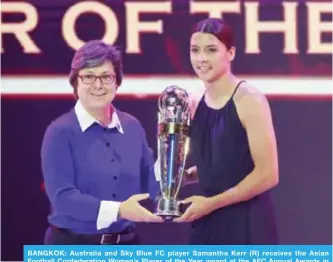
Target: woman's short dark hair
x=95, y=53
x=218, y=28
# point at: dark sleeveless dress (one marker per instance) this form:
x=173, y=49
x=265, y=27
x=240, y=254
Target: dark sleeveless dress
x=220, y=149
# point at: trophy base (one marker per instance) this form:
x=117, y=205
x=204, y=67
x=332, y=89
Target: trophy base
x=168, y=209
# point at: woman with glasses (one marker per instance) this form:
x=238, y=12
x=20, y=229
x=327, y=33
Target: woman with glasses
x=96, y=162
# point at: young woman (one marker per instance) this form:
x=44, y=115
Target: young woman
x=234, y=146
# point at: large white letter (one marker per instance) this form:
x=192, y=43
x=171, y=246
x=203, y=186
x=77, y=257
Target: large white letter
x=316, y=27
x=253, y=27
x=21, y=29
x=134, y=26
x=214, y=9
x=72, y=14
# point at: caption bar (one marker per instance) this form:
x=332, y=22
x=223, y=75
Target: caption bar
x=178, y=253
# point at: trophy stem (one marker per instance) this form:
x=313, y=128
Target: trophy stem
x=172, y=155
x=168, y=209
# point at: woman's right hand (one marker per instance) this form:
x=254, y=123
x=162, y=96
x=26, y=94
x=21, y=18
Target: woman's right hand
x=133, y=211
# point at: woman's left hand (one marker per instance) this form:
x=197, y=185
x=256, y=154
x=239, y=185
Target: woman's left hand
x=200, y=206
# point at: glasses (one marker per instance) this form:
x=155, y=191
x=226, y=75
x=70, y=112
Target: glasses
x=90, y=79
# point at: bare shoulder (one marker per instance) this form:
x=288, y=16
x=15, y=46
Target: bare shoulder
x=250, y=102
x=247, y=93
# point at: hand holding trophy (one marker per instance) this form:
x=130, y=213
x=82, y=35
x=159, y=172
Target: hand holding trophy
x=173, y=146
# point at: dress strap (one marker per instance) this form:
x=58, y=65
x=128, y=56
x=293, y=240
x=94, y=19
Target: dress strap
x=232, y=96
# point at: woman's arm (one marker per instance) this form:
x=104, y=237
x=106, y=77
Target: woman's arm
x=58, y=175
x=255, y=115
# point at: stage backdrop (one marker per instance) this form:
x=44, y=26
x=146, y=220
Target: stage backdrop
x=283, y=47
x=274, y=38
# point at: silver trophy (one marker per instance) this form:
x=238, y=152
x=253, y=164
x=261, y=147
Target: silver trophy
x=173, y=146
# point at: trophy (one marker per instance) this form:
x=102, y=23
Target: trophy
x=173, y=146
